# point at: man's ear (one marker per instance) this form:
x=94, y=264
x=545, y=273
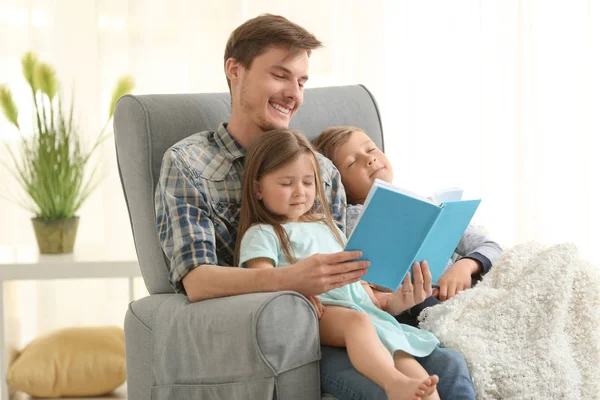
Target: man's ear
x=232, y=69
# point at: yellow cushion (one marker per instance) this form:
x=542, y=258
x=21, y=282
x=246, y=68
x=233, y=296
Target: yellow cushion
x=71, y=362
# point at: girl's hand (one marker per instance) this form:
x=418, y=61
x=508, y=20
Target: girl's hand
x=371, y=294
x=456, y=279
x=319, y=308
x=408, y=294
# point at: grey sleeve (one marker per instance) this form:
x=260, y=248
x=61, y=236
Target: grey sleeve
x=476, y=245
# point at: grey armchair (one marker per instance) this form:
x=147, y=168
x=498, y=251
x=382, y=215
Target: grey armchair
x=254, y=346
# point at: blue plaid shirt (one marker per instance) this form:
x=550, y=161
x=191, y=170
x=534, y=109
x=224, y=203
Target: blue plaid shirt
x=198, y=199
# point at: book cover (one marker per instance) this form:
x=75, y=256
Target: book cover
x=397, y=227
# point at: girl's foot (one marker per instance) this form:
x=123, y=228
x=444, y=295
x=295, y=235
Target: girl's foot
x=411, y=389
x=429, y=385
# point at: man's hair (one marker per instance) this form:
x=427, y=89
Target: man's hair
x=332, y=138
x=255, y=36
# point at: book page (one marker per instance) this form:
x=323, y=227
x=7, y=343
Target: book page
x=446, y=195
x=383, y=184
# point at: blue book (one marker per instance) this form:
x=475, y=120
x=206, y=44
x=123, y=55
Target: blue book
x=397, y=227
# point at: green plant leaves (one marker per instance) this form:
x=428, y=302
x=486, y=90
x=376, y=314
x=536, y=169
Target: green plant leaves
x=50, y=165
x=9, y=108
x=45, y=80
x=124, y=85
x=28, y=62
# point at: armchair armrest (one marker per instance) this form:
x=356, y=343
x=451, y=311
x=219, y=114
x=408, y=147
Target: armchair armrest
x=232, y=339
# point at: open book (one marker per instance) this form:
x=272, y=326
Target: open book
x=397, y=227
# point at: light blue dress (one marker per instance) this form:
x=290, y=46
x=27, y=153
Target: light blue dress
x=308, y=238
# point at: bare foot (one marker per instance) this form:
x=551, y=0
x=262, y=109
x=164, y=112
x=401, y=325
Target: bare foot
x=406, y=388
x=429, y=386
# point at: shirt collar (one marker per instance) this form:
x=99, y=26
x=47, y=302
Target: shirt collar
x=228, y=143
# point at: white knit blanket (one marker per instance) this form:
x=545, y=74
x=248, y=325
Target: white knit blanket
x=531, y=328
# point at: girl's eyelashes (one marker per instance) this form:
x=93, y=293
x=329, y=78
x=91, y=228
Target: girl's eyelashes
x=372, y=150
x=305, y=183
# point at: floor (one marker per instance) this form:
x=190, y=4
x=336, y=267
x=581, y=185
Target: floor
x=120, y=393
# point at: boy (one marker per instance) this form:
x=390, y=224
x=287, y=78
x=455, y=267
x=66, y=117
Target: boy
x=359, y=162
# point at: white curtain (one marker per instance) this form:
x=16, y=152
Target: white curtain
x=497, y=97
x=501, y=98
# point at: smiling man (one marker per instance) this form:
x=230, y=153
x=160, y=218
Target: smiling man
x=199, y=192
x=266, y=90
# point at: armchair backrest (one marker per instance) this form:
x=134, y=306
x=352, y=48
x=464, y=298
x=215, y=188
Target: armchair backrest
x=146, y=126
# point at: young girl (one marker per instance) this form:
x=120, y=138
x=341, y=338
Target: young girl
x=359, y=162
x=285, y=218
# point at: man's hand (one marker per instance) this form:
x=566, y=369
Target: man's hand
x=408, y=294
x=319, y=308
x=456, y=279
x=320, y=273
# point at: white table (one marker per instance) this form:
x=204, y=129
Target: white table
x=25, y=263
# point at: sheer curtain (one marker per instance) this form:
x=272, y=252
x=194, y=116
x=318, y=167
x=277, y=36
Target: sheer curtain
x=493, y=96
x=501, y=98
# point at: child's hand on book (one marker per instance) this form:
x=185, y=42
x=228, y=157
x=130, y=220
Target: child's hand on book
x=409, y=294
x=456, y=279
x=319, y=308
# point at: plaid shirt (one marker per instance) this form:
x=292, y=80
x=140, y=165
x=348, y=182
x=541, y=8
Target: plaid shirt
x=198, y=199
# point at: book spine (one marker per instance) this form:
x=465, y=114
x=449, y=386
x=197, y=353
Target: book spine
x=437, y=218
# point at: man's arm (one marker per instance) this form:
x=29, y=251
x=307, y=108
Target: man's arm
x=312, y=276
x=210, y=281
x=185, y=230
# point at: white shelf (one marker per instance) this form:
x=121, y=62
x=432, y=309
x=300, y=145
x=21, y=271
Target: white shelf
x=25, y=263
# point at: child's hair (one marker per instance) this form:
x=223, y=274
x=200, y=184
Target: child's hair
x=332, y=138
x=269, y=152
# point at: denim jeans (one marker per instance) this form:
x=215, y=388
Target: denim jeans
x=339, y=378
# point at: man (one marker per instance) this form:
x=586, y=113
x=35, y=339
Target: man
x=199, y=193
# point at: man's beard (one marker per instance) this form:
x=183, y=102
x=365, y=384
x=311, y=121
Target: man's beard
x=250, y=108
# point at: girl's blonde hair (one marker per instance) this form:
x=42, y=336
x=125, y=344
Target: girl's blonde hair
x=332, y=138
x=267, y=153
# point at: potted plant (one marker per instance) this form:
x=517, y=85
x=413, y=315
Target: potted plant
x=51, y=163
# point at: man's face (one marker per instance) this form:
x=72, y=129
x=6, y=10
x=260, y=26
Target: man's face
x=360, y=161
x=272, y=89
x=289, y=191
